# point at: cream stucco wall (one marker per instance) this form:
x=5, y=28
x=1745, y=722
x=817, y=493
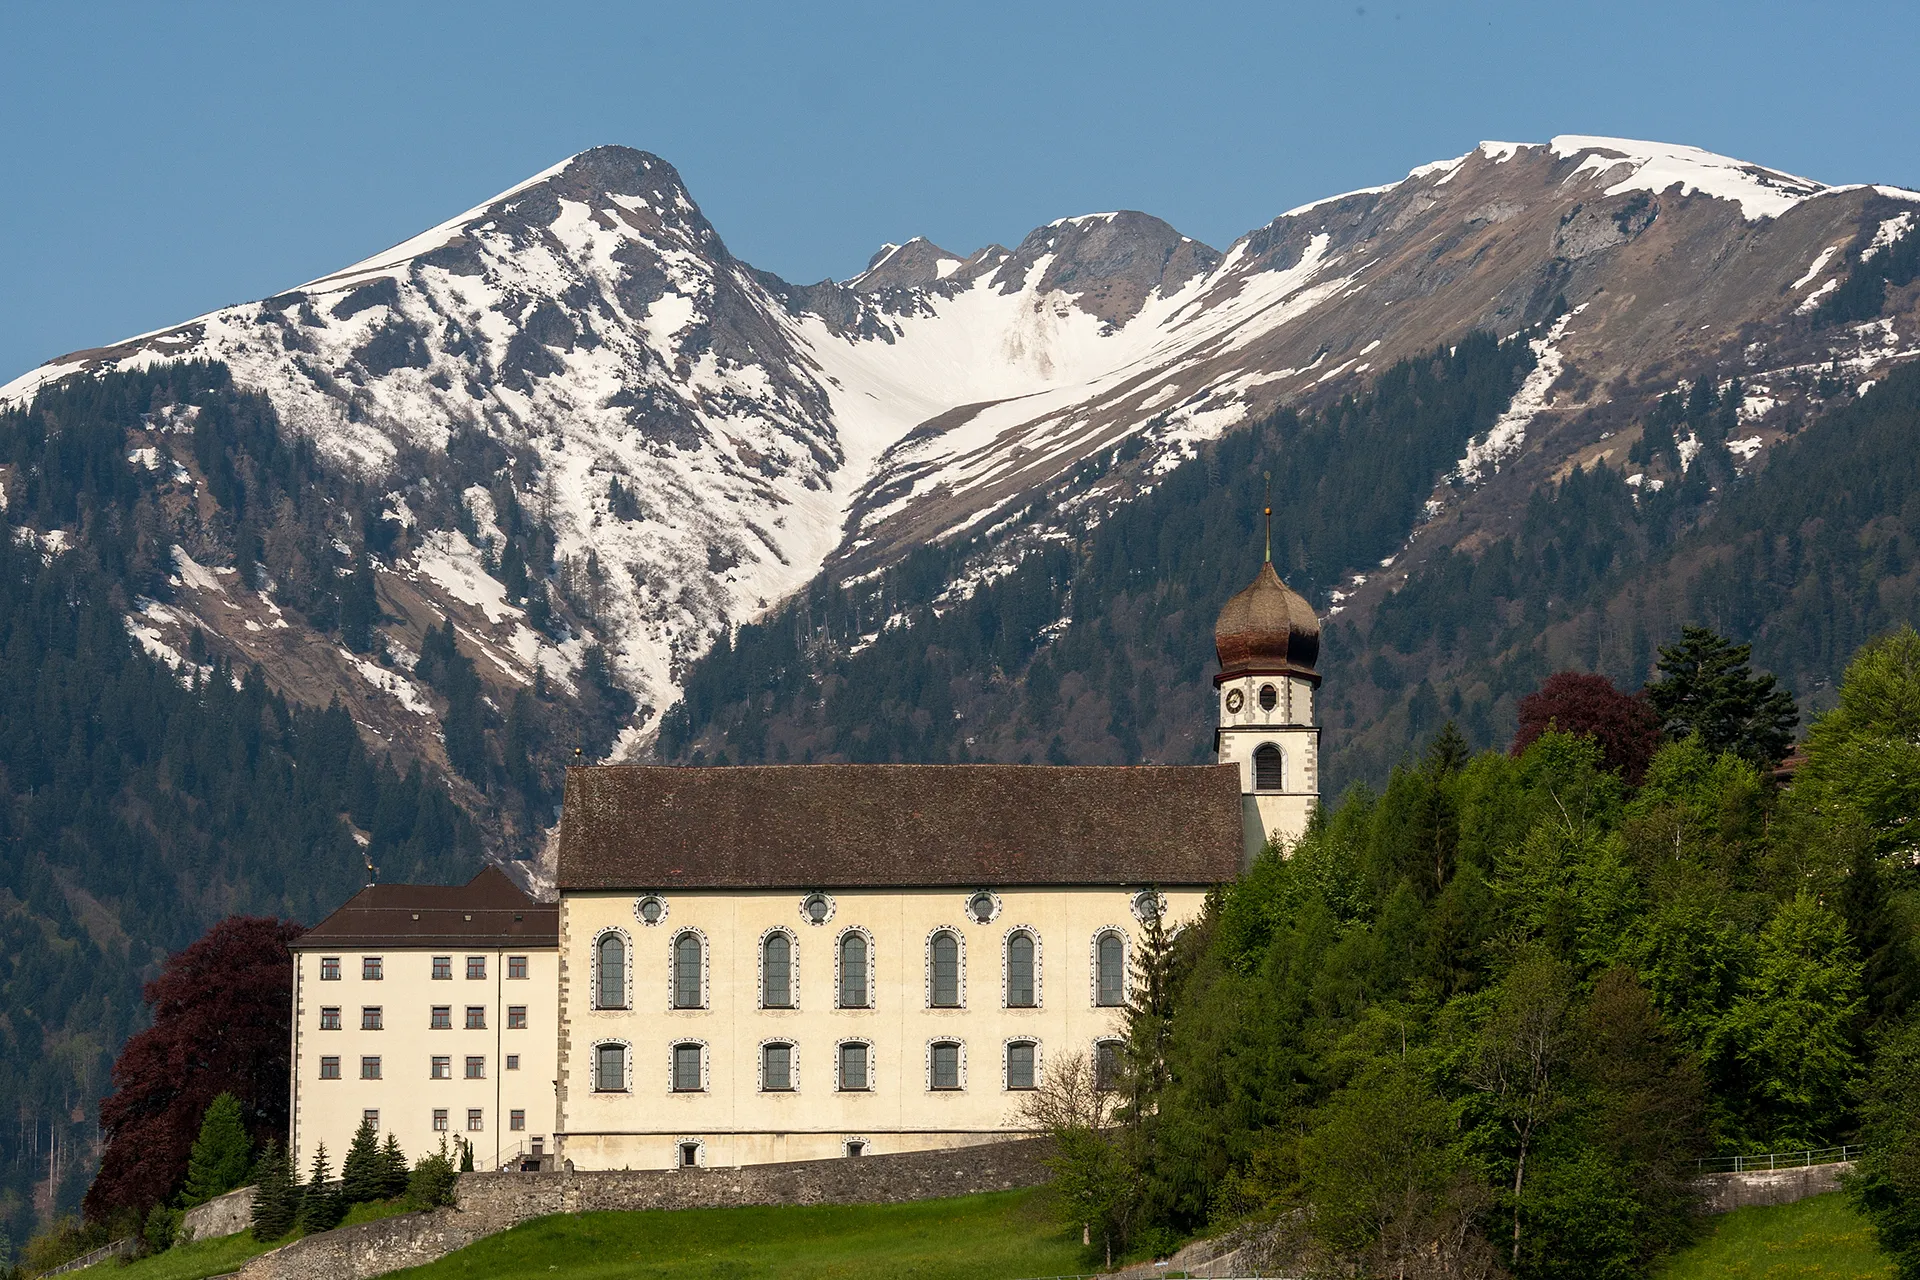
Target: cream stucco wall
x=406, y=1095
x=733, y=1119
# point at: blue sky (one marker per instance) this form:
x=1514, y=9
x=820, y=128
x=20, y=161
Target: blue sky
x=158, y=161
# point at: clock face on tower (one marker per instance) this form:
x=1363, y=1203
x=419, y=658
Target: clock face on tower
x=1235, y=700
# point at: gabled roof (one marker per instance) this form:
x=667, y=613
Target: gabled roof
x=488, y=910
x=898, y=825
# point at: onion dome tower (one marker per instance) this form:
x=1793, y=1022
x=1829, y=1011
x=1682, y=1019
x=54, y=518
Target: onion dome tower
x=1268, y=639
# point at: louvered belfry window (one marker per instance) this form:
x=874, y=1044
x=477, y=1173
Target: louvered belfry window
x=1269, y=768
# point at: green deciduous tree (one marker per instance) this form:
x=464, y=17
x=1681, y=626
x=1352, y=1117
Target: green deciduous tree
x=1886, y=1183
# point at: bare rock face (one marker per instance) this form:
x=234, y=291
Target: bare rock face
x=714, y=437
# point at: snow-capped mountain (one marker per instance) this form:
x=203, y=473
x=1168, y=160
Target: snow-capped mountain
x=714, y=436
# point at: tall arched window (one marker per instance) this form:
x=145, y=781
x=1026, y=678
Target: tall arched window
x=776, y=972
x=610, y=970
x=1022, y=992
x=1107, y=1063
x=855, y=956
x=1269, y=768
x=943, y=964
x=1110, y=969
x=687, y=975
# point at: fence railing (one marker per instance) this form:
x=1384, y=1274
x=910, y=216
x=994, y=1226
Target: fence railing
x=1779, y=1160
x=111, y=1250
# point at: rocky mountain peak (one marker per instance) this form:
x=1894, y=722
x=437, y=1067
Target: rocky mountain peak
x=917, y=264
x=1107, y=262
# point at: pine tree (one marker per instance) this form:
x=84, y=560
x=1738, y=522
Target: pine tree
x=1707, y=687
x=320, y=1205
x=394, y=1182
x=221, y=1155
x=276, y=1205
x=466, y=1156
x=363, y=1174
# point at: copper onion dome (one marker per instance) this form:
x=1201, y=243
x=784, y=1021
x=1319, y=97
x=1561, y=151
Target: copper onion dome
x=1268, y=629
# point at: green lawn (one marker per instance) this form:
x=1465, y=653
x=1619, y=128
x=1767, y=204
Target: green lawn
x=219, y=1255
x=1819, y=1237
x=984, y=1237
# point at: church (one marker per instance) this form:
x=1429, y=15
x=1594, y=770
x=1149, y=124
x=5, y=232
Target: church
x=767, y=963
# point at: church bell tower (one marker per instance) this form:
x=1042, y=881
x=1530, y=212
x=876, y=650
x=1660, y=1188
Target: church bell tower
x=1268, y=639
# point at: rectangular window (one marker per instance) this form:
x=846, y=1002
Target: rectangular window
x=439, y=1119
x=476, y=1067
x=516, y=1017
x=329, y=968
x=516, y=1120
x=442, y=1018
x=330, y=1019
x=946, y=1066
x=370, y=1018
x=474, y=1122
x=476, y=1017
x=513, y=1062
x=686, y=1068
x=853, y=1066
x=476, y=966
x=442, y=968
x=330, y=1068
x=610, y=1068
x=370, y=968
x=442, y=1066
x=371, y=1117
x=776, y=1067
x=1020, y=1065
x=516, y=968
x=370, y=1068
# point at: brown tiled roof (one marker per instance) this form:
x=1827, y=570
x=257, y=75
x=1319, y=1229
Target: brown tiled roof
x=898, y=825
x=489, y=910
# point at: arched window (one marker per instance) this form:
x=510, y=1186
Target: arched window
x=1110, y=969
x=1022, y=1059
x=688, y=963
x=610, y=1068
x=776, y=971
x=610, y=971
x=1269, y=768
x=776, y=1067
x=856, y=1063
x=689, y=1063
x=855, y=956
x=943, y=970
x=945, y=1066
x=1106, y=1064
x=1022, y=992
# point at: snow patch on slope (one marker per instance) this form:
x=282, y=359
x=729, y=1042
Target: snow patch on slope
x=1658, y=166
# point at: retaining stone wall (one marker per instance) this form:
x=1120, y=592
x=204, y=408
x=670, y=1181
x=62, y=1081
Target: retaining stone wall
x=221, y=1216
x=1726, y=1192
x=487, y=1203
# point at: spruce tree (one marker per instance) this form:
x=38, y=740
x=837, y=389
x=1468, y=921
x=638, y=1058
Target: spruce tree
x=395, y=1170
x=276, y=1205
x=466, y=1156
x=320, y=1205
x=221, y=1155
x=1707, y=687
x=363, y=1174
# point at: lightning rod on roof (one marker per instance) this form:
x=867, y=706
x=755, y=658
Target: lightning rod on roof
x=1269, y=511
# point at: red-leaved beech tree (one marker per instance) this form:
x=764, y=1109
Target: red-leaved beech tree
x=1625, y=724
x=222, y=1014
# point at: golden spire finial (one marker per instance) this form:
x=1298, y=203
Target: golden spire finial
x=1269, y=476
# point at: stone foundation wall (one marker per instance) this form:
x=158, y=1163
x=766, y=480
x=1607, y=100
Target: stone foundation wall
x=487, y=1203
x=221, y=1216
x=1726, y=1192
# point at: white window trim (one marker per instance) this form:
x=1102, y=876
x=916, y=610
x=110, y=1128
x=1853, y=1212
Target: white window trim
x=839, y=941
x=1126, y=966
x=838, y=1085
x=666, y=909
x=960, y=939
x=699, y=1152
x=848, y=1142
x=832, y=907
x=953, y=1040
x=793, y=1063
x=593, y=965
x=793, y=971
x=1006, y=1075
x=1133, y=904
x=706, y=1066
x=593, y=1065
x=706, y=970
x=966, y=906
x=1006, y=968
